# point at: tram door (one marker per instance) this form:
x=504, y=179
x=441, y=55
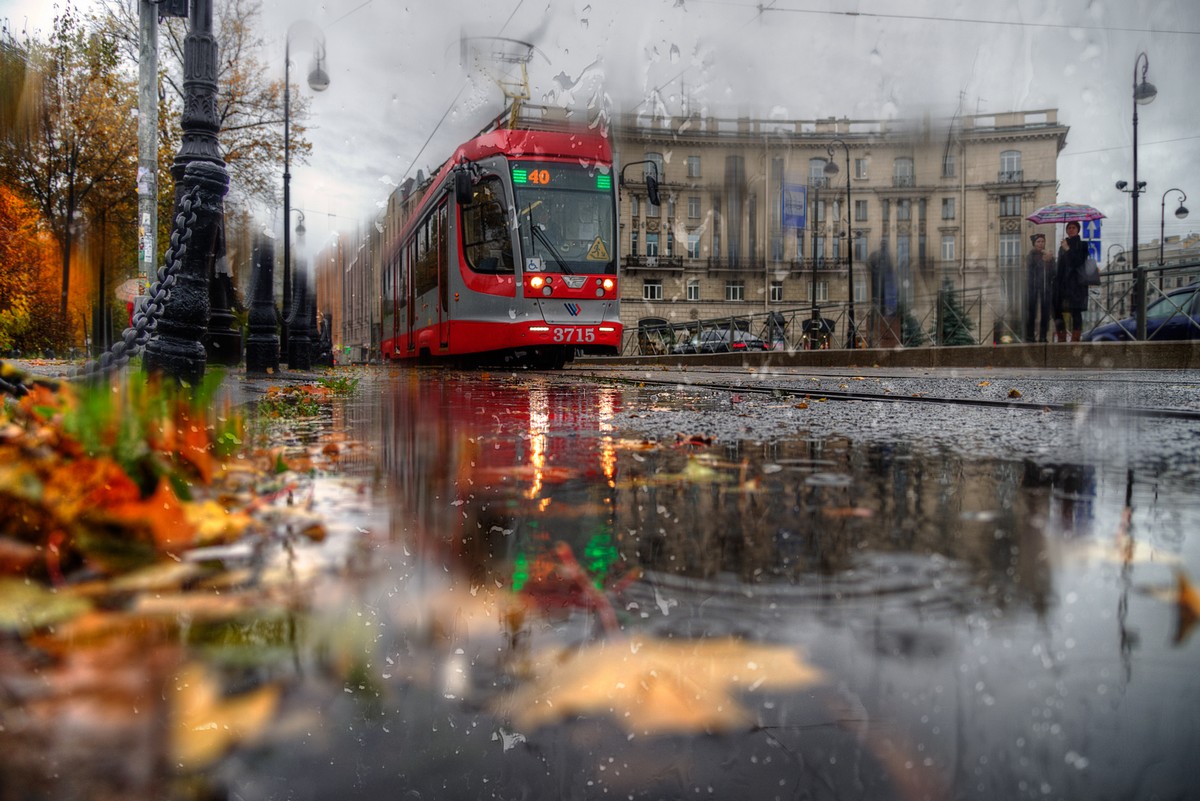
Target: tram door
x=443, y=277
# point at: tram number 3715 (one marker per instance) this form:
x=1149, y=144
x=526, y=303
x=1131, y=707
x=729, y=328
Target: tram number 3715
x=566, y=335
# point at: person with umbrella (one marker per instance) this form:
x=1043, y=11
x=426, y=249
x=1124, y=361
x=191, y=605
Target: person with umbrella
x=1070, y=296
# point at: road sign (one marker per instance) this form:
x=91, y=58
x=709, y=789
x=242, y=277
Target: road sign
x=1091, y=230
x=1094, y=248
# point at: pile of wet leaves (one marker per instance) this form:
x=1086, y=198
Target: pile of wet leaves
x=133, y=515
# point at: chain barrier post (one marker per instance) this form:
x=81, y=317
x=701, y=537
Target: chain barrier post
x=177, y=349
x=262, y=344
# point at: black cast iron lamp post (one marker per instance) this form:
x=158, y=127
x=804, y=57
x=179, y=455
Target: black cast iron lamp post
x=831, y=169
x=1143, y=93
x=1180, y=213
x=318, y=81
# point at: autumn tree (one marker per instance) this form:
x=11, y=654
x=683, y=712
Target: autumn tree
x=27, y=280
x=249, y=106
x=77, y=133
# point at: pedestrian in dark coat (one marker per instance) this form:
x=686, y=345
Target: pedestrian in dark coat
x=1070, y=290
x=1039, y=288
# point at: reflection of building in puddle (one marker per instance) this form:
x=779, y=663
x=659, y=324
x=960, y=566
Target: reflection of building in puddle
x=804, y=511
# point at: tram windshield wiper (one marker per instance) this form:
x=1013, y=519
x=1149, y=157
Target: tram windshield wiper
x=540, y=233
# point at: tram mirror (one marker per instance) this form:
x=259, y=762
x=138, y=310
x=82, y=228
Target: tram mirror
x=652, y=189
x=462, y=186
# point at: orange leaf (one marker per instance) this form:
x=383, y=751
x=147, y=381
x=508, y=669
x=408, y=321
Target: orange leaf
x=161, y=515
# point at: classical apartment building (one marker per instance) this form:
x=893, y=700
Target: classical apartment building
x=751, y=220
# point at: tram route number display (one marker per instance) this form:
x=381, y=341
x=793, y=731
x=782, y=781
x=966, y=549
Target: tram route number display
x=569, y=334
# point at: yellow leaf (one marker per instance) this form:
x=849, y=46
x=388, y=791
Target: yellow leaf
x=206, y=724
x=656, y=686
x=213, y=523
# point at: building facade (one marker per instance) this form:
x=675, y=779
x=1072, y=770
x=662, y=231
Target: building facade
x=752, y=221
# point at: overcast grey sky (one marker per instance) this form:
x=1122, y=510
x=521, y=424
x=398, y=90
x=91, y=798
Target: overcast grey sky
x=399, y=99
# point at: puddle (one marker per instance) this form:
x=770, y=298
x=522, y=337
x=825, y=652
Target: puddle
x=811, y=614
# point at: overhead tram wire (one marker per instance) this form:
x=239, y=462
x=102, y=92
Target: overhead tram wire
x=968, y=20
x=453, y=102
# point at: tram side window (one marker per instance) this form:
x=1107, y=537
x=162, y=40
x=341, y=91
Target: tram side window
x=425, y=275
x=486, y=242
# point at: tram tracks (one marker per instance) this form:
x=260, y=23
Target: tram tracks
x=782, y=387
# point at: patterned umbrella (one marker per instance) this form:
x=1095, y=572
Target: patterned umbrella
x=1064, y=212
x=129, y=289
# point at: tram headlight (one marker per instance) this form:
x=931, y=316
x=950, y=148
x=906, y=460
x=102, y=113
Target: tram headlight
x=608, y=284
x=537, y=282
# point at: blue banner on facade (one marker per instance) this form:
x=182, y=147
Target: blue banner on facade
x=793, y=200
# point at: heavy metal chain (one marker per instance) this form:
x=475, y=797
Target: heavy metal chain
x=145, y=319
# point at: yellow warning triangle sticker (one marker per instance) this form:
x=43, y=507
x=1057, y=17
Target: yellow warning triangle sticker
x=598, y=252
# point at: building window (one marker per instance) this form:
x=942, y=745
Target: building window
x=904, y=209
x=633, y=206
x=819, y=249
x=776, y=291
x=1010, y=205
x=860, y=289
x=671, y=208
x=693, y=251
x=693, y=289
x=735, y=290
x=653, y=210
x=947, y=247
x=816, y=172
x=670, y=244
x=1010, y=166
x=633, y=242
x=860, y=211
x=818, y=211
x=652, y=244
x=860, y=168
x=947, y=208
x=1010, y=250
x=902, y=172
x=693, y=166
x=652, y=289
x=822, y=292
x=860, y=248
x=655, y=167
x=948, y=165
x=693, y=207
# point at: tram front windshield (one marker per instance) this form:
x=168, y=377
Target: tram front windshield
x=565, y=217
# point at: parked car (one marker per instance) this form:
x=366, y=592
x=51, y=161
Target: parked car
x=1174, y=316
x=720, y=340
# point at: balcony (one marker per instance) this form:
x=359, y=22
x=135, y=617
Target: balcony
x=904, y=181
x=672, y=263
x=1010, y=176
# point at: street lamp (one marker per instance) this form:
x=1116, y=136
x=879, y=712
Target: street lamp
x=1143, y=93
x=1180, y=213
x=318, y=81
x=831, y=169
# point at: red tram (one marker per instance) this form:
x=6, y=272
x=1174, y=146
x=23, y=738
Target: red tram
x=510, y=255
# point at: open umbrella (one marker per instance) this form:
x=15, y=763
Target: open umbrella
x=1064, y=212
x=129, y=289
